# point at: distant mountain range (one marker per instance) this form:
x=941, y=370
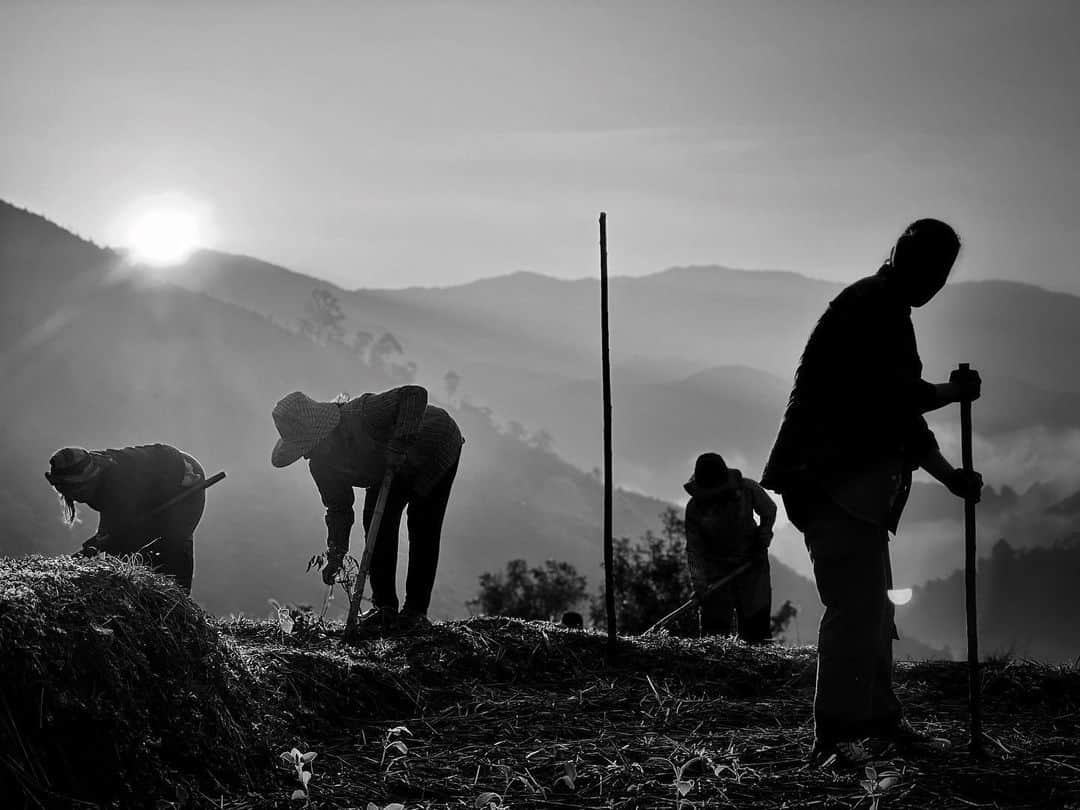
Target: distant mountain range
x=94, y=354
x=99, y=353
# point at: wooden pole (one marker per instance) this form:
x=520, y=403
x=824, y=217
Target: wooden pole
x=605, y=353
x=352, y=621
x=974, y=698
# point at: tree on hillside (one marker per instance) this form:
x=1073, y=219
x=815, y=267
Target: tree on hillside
x=362, y=343
x=651, y=580
x=542, y=441
x=530, y=593
x=452, y=381
x=323, y=318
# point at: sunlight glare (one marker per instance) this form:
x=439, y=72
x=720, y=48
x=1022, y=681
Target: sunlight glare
x=162, y=236
x=900, y=596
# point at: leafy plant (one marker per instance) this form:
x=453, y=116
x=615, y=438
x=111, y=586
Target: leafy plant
x=682, y=785
x=651, y=580
x=301, y=763
x=345, y=577
x=877, y=783
x=530, y=593
x=392, y=742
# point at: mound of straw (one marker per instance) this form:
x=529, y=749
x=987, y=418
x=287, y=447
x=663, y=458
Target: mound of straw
x=113, y=684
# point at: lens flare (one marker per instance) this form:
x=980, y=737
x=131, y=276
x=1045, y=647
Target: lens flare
x=900, y=596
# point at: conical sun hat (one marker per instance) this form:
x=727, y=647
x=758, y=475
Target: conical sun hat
x=71, y=465
x=302, y=423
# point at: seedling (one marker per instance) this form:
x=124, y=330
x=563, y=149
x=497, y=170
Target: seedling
x=392, y=743
x=682, y=785
x=346, y=577
x=877, y=782
x=283, y=616
x=489, y=800
x=301, y=763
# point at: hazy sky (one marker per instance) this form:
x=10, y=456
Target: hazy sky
x=397, y=143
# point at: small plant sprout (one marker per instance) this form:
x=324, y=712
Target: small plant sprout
x=392, y=743
x=391, y=806
x=682, y=785
x=877, y=782
x=489, y=800
x=301, y=763
x=283, y=617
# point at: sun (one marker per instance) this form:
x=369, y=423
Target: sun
x=163, y=235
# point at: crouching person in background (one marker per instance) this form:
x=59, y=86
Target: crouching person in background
x=722, y=536
x=125, y=487
x=351, y=444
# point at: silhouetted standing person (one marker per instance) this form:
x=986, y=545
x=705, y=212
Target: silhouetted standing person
x=125, y=486
x=350, y=444
x=852, y=434
x=721, y=535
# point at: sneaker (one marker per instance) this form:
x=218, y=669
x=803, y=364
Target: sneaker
x=412, y=621
x=377, y=621
x=905, y=738
x=842, y=754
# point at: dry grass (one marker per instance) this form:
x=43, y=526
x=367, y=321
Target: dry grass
x=531, y=712
x=510, y=707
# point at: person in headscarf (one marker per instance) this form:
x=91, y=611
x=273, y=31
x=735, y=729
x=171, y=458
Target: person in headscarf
x=851, y=436
x=351, y=443
x=721, y=536
x=126, y=487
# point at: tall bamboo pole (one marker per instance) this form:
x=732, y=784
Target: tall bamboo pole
x=974, y=697
x=605, y=353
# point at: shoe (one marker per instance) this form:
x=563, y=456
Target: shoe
x=842, y=754
x=412, y=621
x=377, y=621
x=905, y=738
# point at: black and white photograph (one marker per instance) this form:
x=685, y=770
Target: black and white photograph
x=557, y=404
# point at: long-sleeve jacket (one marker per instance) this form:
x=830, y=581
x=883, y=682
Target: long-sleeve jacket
x=854, y=425
x=721, y=534
x=354, y=455
x=134, y=482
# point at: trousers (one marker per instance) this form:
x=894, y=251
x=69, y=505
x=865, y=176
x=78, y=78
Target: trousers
x=854, y=695
x=425, y=521
x=746, y=602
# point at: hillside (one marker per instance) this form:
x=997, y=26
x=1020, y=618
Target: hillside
x=96, y=353
x=703, y=359
x=1026, y=604
x=486, y=713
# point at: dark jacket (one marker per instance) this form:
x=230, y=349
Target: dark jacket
x=854, y=426
x=721, y=532
x=354, y=455
x=134, y=482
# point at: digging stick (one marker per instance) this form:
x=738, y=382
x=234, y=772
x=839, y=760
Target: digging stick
x=974, y=698
x=605, y=351
x=695, y=600
x=365, y=561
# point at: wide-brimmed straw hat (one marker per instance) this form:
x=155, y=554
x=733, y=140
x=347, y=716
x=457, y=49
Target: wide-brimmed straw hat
x=71, y=466
x=302, y=423
x=712, y=477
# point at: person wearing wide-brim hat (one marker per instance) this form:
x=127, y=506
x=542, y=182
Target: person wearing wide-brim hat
x=721, y=535
x=125, y=487
x=351, y=443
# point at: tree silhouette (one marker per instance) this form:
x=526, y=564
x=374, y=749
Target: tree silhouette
x=324, y=317
x=452, y=381
x=524, y=593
